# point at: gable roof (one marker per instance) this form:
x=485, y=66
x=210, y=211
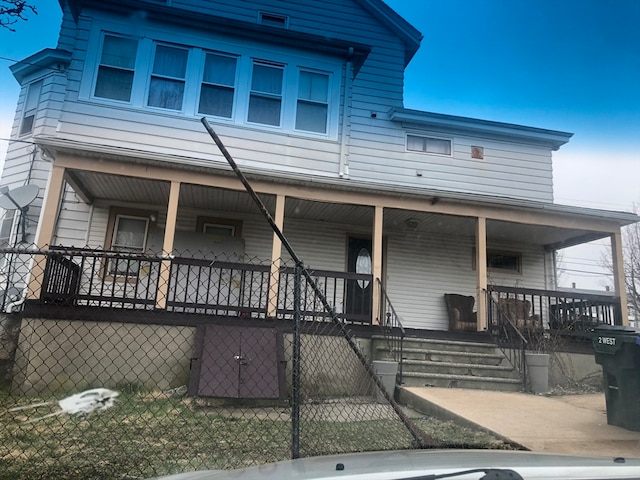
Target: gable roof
x=410, y=36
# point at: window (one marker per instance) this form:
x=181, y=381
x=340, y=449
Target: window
x=30, y=107
x=498, y=261
x=116, y=69
x=231, y=82
x=438, y=146
x=265, y=99
x=219, y=227
x=273, y=20
x=166, y=89
x=503, y=261
x=313, y=107
x=217, y=90
x=127, y=233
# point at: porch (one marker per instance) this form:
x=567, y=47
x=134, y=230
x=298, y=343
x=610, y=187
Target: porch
x=119, y=281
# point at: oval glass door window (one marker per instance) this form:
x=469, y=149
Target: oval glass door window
x=363, y=265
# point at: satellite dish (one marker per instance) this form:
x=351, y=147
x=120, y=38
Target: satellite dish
x=19, y=198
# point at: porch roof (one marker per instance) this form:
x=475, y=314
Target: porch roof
x=335, y=200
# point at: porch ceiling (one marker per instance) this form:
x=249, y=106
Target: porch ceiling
x=105, y=188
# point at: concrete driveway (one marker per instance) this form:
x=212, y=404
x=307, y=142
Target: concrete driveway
x=572, y=424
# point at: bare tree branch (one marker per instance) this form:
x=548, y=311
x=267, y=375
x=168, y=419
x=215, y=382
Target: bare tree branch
x=631, y=265
x=11, y=11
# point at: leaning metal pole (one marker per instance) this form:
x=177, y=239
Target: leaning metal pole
x=421, y=439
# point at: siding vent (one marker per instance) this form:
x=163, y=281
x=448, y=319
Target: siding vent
x=273, y=20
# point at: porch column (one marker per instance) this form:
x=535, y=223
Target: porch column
x=167, y=245
x=481, y=272
x=376, y=263
x=618, y=275
x=276, y=253
x=46, y=228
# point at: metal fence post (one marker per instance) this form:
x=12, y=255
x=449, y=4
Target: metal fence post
x=295, y=380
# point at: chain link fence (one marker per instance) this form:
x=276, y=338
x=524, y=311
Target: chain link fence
x=216, y=364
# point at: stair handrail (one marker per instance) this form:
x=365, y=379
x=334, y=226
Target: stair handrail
x=507, y=337
x=391, y=327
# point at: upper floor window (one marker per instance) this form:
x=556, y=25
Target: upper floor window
x=313, y=107
x=166, y=88
x=30, y=107
x=265, y=99
x=218, y=85
x=226, y=81
x=439, y=146
x=116, y=69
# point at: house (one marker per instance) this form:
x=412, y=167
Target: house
x=136, y=208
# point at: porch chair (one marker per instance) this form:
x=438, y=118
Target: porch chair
x=518, y=311
x=462, y=318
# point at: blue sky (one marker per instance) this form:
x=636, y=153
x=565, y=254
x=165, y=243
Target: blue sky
x=570, y=65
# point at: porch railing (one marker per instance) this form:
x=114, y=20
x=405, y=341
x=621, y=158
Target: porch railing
x=392, y=328
x=571, y=313
x=98, y=278
x=507, y=336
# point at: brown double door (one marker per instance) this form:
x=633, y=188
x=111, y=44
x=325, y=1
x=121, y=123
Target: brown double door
x=238, y=362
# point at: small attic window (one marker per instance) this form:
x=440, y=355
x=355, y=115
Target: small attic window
x=273, y=20
x=438, y=146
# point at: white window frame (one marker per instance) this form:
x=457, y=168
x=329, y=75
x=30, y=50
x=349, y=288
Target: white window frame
x=134, y=71
x=133, y=265
x=30, y=108
x=299, y=100
x=426, y=138
x=233, y=87
x=292, y=62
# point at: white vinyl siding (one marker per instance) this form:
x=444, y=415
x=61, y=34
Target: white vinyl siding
x=422, y=268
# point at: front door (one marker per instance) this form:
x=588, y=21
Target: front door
x=359, y=291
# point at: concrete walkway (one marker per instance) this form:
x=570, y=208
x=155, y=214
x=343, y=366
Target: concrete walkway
x=572, y=424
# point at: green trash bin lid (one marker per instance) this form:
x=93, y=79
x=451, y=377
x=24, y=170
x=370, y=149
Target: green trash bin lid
x=609, y=339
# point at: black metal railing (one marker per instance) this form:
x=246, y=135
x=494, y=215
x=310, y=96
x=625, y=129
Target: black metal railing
x=507, y=336
x=99, y=278
x=571, y=313
x=392, y=329
x=334, y=286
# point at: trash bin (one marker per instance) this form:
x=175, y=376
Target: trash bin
x=386, y=372
x=617, y=350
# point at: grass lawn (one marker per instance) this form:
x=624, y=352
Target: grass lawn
x=145, y=435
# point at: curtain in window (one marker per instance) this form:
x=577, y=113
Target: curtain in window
x=216, y=94
x=167, y=79
x=266, y=95
x=130, y=233
x=117, y=63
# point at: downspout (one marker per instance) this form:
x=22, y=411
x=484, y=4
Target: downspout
x=345, y=133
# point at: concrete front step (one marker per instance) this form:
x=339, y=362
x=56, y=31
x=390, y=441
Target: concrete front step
x=471, y=369
x=436, y=344
x=450, y=364
x=448, y=356
x=413, y=379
